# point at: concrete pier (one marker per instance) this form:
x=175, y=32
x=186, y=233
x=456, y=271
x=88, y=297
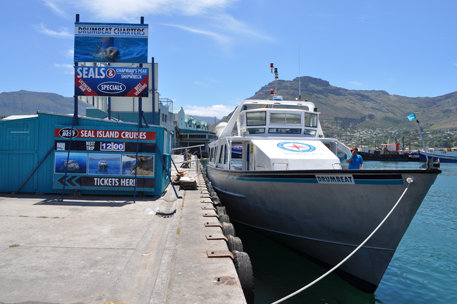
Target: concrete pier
x=109, y=250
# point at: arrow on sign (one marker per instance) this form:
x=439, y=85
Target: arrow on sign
x=69, y=182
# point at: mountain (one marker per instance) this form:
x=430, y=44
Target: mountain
x=340, y=107
x=26, y=103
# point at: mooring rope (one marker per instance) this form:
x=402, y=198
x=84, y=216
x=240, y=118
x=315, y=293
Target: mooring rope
x=409, y=180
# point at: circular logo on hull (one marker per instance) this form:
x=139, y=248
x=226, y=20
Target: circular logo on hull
x=294, y=146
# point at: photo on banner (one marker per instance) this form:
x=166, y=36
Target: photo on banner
x=77, y=162
x=111, y=42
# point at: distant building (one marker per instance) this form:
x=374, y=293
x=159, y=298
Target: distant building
x=192, y=131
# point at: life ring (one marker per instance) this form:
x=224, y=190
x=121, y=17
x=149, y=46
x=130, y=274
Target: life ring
x=243, y=267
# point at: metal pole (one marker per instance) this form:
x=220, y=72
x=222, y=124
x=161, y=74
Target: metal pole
x=136, y=163
x=68, y=159
x=36, y=168
x=423, y=142
x=153, y=91
x=109, y=108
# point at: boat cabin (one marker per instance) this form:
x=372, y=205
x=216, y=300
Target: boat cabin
x=275, y=136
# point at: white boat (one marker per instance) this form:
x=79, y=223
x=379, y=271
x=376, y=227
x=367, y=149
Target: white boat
x=445, y=156
x=102, y=165
x=292, y=184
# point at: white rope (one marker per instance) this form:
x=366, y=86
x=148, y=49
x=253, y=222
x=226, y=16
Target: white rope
x=409, y=180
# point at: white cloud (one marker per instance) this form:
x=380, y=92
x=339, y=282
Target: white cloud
x=66, y=68
x=219, y=38
x=218, y=111
x=356, y=83
x=212, y=11
x=118, y=9
x=228, y=23
x=63, y=33
x=53, y=5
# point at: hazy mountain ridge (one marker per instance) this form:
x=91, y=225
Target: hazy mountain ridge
x=366, y=108
x=339, y=107
x=28, y=103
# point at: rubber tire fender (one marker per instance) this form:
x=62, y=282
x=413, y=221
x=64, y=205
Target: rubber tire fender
x=221, y=210
x=216, y=201
x=228, y=229
x=234, y=243
x=224, y=218
x=243, y=267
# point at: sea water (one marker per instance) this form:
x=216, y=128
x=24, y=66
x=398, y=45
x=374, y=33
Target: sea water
x=423, y=269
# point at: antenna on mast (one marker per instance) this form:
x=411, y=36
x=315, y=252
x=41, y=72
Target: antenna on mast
x=275, y=70
x=299, y=82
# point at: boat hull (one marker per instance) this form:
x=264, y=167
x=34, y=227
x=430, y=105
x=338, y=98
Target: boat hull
x=326, y=214
x=390, y=156
x=449, y=157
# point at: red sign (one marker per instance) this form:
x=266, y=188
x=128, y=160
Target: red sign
x=104, y=134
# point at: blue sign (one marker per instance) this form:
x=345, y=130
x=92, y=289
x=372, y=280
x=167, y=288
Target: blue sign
x=111, y=42
x=111, y=81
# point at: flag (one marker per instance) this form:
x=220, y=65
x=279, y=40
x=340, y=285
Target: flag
x=412, y=117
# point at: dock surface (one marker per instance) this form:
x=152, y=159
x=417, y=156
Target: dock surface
x=108, y=249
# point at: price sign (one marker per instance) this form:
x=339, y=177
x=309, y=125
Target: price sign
x=112, y=146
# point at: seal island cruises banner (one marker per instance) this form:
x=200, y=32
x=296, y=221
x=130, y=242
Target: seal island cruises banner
x=111, y=42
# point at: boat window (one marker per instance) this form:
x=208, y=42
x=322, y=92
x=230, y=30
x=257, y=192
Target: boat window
x=220, y=155
x=288, y=118
x=293, y=118
x=225, y=154
x=256, y=131
x=284, y=131
x=278, y=118
x=242, y=120
x=309, y=132
x=311, y=120
x=256, y=118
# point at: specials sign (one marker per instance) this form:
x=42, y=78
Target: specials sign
x=103, y=134
x=111, y=81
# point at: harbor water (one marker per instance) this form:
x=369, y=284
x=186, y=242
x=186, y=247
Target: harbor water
x=423, y=269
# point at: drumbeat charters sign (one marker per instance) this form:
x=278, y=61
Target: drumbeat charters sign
x=111, y=81
x=111, y=42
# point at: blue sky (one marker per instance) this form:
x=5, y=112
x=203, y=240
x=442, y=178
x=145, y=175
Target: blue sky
x=212, y=54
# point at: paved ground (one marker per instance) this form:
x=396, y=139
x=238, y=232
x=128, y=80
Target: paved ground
x=109, y=250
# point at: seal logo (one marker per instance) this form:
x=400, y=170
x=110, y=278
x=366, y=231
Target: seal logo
x=296, y=146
